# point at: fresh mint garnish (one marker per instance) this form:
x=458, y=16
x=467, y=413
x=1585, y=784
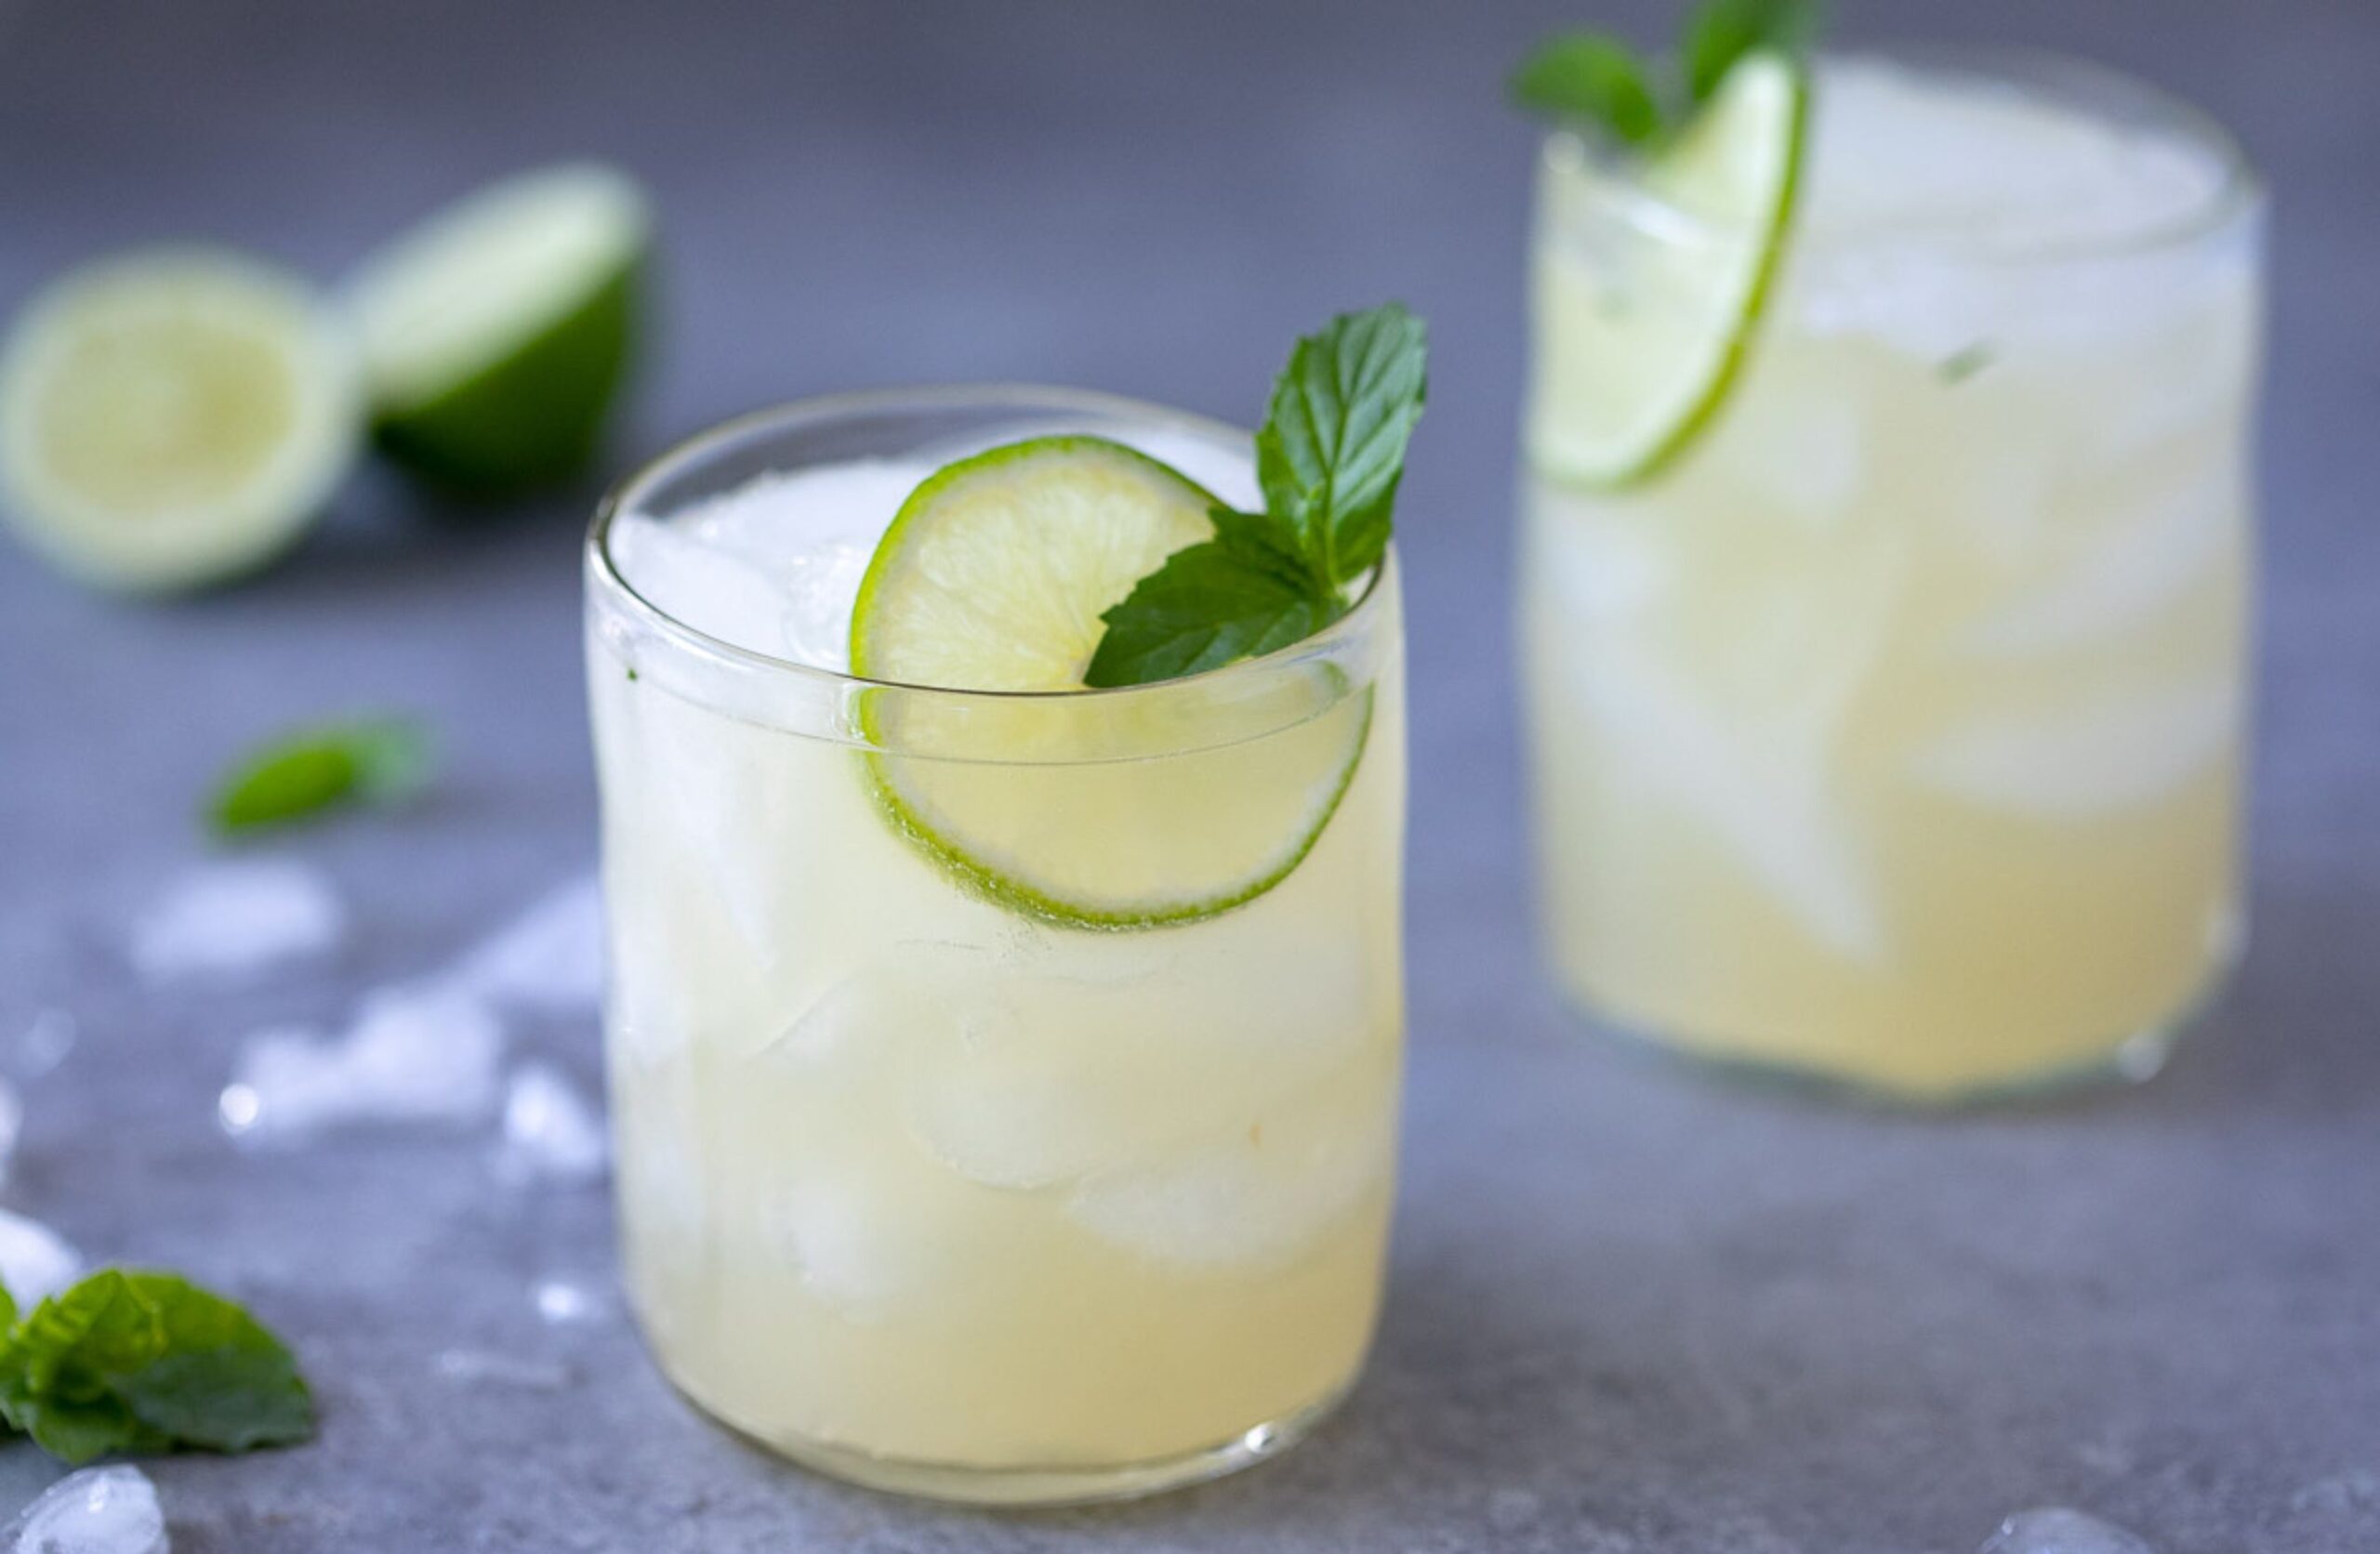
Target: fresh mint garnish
x=1598, y=83
x=1328, y=459
x=313, y=771
x=129, y=1361
x=1722, y=31
x=1591, y=78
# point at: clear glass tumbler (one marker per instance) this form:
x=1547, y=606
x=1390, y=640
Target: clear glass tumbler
x=923, y=1185
x=1891, y=733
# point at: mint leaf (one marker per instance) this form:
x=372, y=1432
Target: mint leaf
x=1332, y=447
x=1329, y=459
x=129, y=1361
x=1590, y=78
x=306, y=773
x=1209, y=604
x=1722, y=31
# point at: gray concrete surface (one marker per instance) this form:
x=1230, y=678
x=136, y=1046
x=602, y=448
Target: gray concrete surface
x=1631, y=1313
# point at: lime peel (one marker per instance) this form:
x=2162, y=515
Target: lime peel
x=995, y=574
x=1604, y=421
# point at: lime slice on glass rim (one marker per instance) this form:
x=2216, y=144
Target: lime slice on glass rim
x=1641, y=338
x=495, y=334
x=173, y=417
x=1089, y=811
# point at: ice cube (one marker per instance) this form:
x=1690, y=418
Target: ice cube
x=2055, y=1530
x=1597, y=567
x=2081, y=762
x=1034, y=1079
x=1260, y=1195
x=229, y=919
x=1764, y=793
x=549, y=1133
x=427, y=1052
x=2132, y=571
x=12, y=1122
x=711, y=589
x=99, y=1510
x=34, y=1261
x=1804, y=453
x=866, y=1239
x=551, y=958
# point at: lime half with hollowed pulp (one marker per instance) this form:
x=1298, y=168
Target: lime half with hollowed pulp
x=497, y=334
x=1644, y=325
x=172, y=418
x=1157, y=804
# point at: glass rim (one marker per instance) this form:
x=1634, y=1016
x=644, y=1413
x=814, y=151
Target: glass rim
x=2080, y=83
x=622, y=498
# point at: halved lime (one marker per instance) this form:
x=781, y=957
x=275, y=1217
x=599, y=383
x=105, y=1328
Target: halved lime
x=172, y=418
x=1114, y=809
x=1642, y=326
x=497, y=334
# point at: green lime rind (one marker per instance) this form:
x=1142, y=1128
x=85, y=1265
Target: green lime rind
x=887, y=558
x=536, y=416
x=1016, y=895
x=940, y=843
x=1658, y=456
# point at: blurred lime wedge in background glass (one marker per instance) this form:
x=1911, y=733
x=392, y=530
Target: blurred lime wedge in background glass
x=1646, y=325
x=172, y=418
x=495, y=334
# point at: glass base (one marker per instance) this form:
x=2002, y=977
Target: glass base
x=2136, y=1060
x=1028, y=1485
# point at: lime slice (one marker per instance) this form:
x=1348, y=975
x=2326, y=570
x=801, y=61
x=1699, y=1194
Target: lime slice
x=1159, y=804
x=172, y=418
x=1643, y=326
x=497, y=334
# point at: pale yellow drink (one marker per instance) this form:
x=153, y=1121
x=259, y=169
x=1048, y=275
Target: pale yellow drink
x=921, y=1187
x=1891, y=734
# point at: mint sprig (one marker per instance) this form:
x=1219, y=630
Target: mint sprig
x=1600, y=83
x=1592, y=78
x=1328, y=459
x=311, y=771
x=1722, y=31
x=131, y=1360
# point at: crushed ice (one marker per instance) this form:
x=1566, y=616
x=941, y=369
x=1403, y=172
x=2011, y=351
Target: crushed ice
x=99, y=1510
x=550, y=959
x=420, y=1054
x=560, y=1303
x=549, y=1133
x=34, y=1261
x=487, y=1367
x=45, y=1044
x=431, y=1049
x=236, y=917
x=2055, y=1530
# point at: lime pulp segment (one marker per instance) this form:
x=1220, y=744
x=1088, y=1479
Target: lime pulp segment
x=1645, y=326
x=994, y=576
x=173, y=417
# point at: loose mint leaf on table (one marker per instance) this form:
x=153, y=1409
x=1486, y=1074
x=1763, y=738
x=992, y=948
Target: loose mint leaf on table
x=1328, y=459
x=1594, y=79
x=1722, y=31
x=130, y=1361
x=313, y=770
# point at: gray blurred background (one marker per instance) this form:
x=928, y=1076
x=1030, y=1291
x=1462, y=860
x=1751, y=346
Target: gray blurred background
x=1629, y=1313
